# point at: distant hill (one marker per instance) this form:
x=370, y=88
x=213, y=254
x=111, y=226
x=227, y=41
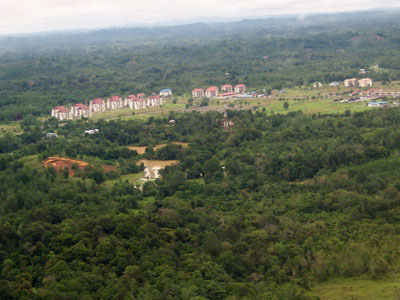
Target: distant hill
x=208, y=31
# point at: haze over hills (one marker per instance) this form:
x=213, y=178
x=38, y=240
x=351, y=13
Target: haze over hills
x=205, y=31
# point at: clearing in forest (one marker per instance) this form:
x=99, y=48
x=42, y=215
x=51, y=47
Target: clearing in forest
x=60, y=163
x=152, y=167
x=142, y=150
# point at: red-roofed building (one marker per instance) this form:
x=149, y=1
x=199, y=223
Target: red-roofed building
x=130, y=100
x=134, y=102
x=61, y=113
x=154, y=100
x=97, y=105
x=212, y=92
x=115, y=102
x=140, y=95
x=240, y=88
x=198, y=93
x=80, y=110
x=227, y=88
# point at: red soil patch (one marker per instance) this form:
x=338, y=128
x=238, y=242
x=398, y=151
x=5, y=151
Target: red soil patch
x=59, y=163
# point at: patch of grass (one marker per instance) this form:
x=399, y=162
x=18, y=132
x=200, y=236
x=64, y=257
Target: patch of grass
x=132, y=178
x=13, y=127
x=31, y=161
x=359, y=289
x=198, y=180
x=385, y=168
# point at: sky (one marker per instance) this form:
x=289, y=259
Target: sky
x=24, y=16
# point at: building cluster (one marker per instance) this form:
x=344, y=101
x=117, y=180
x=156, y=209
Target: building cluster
x=227, y=90
x=81, y=110
x=369, y=95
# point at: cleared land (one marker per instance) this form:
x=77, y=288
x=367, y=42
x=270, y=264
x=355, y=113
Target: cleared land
x=360, y=289
x=152, y=167
x=142, y=150
x=60, y=163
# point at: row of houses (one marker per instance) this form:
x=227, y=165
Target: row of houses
x=81, y=110
x=213, y=91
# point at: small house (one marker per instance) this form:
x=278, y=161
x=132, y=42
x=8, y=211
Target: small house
x=212, y=92
x=240, y=88
x=61, y=113
x=51, y=135
x=80, y=110
x=97, y=105
x=350, y=82
x=154, y=100
x=227, y=88
x=365, y=82
x=198, y=93
x=115, y=102
x=166, y=93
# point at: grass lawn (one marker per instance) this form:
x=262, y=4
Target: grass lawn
x=132, y=178
x=31, y=161
x=359, y=289
x=313, y=106
x=13, y=127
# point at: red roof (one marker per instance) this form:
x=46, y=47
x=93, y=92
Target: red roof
x=227, y=85
x=80, y=106
x=61, y=109
x=212, y=88
x=115, y=98
x=97, y=101
x=140, y=95
x=198, y=90
x=240, y=85
x=154, y=97
x=131, y=97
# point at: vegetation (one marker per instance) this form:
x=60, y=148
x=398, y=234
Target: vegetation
x=267, y=209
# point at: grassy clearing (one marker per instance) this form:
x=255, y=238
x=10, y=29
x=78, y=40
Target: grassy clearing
x=131, y=178
x=14, y=127
x=31, y=161
x=359, y=289
x=313, y=106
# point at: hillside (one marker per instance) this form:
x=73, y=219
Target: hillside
x=40, y=72
x=270, y=208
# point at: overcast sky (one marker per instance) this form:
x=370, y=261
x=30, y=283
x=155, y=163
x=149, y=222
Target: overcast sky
x=20, y=16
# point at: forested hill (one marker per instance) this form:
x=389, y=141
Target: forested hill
x=265, y=210
x=40, y=72
x=206, y=32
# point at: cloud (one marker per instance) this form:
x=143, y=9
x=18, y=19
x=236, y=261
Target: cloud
x=39, y=15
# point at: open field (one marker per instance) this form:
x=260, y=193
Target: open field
x=359, y=289
x=131, y=178
x=14, y=127
x=142, y=150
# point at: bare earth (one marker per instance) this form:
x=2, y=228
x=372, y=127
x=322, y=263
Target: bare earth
x=152, y=167
x=59, y=163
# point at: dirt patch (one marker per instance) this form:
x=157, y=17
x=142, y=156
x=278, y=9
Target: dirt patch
x=108, y=168
x=152, y=167
x=60, y=163
x=142, y=150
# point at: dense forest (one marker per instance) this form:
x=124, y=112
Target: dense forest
x=38, y=72
x=264, y=210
